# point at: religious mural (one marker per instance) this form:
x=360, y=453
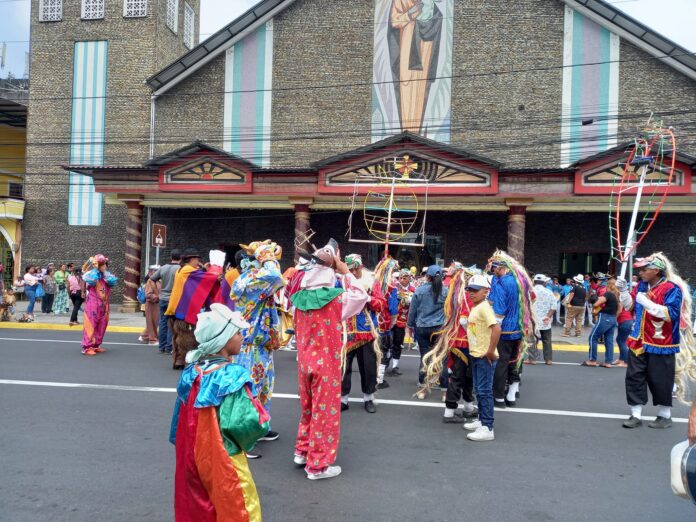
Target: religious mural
x=412, y=70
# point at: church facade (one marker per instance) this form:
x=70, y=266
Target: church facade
x=510, y=123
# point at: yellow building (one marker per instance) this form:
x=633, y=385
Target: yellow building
x=13, y=145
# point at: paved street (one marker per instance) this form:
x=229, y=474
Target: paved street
x=85, y=453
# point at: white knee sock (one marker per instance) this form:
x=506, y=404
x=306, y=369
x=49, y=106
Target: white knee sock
x=636, y=411
x=664, y=411
x=368, y=397
x=395, y=363
x=380, y=373
x=344, y=399
x=449, y=413
x=514, y=387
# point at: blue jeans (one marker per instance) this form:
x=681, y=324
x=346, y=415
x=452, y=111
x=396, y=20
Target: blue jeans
x=426, y=341
x=605, y=326
x=483, y=371
x=165, y=334
x=623, y=332
x=30, y=292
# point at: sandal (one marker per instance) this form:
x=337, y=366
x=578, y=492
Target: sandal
x=592, y=364
x=606, y=365
x=619, y=364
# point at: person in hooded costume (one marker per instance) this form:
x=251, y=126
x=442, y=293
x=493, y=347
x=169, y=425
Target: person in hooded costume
x=216, y=419
x=327, y=294
x=98, y=283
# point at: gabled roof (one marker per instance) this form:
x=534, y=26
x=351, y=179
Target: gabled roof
x=196, y=146
x=638, y=34
x=406, y=137
x=600, y=11
x=625, y=148
x=216, y=44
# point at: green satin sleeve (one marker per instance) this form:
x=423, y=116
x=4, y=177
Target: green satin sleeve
x=241, y=422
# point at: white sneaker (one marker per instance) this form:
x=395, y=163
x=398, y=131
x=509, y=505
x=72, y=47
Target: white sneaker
x=482, y=434
x=473, y=425
x=330, y=472
x=300, y=460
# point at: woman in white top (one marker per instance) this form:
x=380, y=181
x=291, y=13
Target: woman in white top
x=31, y=282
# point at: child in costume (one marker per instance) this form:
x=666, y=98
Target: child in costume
x=661, y=343
x=99, y=282
x=482, y=332
x=453, y=347
x=511, y=296
x=252, y=295
x=361, y=335
x=321, y=305
x=404, y=293
x=386, y=316
x=216, y=419
x=194, y=289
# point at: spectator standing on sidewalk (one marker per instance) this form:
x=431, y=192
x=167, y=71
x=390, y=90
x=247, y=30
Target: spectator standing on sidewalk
x=165, y=276
x=76, y=287
x=557, y=291
x=152, y=293
x=50, y=288
x=31, y=283
x=588, y=306
x=575, y=307
x=60, y=302
x=544, y=308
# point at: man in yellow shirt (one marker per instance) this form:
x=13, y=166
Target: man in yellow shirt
x=483, y=333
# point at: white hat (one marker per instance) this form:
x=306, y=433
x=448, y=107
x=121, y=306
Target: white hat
x=154, y=267
x=579, y=278
x=477, y=282
x=540, y=278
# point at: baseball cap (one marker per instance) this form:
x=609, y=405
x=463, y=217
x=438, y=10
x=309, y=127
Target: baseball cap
x=434, y=270
x=477, y=282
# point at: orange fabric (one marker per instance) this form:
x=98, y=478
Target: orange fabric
x=217, y=473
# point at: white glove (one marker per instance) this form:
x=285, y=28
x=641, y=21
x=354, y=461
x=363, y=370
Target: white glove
x=626, y=300
x=217, y=257
x=652, y=308
x=621, y=284
x=463, y=321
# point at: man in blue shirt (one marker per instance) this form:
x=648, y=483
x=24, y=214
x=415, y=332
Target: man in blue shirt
x=504, y=297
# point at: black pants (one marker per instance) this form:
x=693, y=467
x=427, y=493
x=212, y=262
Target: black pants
x=460, y=384
x=650, y=371
x=385, y=346
x=367, y=364
x=545, y=336
x=506, y=371
x=398, y=334
x=47, y=303
x=77, y=303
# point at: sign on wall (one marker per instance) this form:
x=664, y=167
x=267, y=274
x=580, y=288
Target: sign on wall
x=412, y=69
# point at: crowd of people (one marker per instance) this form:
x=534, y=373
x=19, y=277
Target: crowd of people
x=223, y=320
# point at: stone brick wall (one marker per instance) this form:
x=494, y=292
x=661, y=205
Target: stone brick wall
x=135, y=52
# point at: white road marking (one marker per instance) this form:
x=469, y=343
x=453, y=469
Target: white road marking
x=67, y=341
x=563, y=413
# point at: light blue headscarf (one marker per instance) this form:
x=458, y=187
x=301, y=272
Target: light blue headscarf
x=214, y=329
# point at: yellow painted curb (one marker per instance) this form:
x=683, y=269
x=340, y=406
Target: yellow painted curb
x=65, y=327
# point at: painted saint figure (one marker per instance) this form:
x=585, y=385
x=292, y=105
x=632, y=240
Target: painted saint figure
x=415, y=28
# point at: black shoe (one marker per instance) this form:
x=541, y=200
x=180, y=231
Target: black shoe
x=178, y=367
x=632, y=422
x=271, y=435
x=470, y=414
x=660, y=423
x=383, y=385
x=370, y=407
x=499, y=404
x=344, y=406
x=510, y=403
x=456, y=419
x=396, y=371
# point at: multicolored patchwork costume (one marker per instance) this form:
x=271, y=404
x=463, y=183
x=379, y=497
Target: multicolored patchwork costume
x=97, y=307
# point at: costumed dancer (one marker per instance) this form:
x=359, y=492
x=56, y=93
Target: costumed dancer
x=386, y=316
x=216, y=419
x=361, y=337
x=661, y=343
x=194, y=289
x=321, y=305
x=286, y=327
x=98, y=283
x=404, y=292
x=252, y=295
x=512, y=296
x=452, y=347
x=231, y=275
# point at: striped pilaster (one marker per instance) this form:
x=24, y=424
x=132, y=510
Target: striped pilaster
x=301, y=228
x=516, y=226
x=134, y=232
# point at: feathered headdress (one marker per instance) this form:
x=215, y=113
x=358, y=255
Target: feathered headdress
x=384, y=273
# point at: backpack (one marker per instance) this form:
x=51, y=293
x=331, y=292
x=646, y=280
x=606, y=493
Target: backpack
x=141, y=294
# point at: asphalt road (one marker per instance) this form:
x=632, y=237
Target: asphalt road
x=86, y=454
